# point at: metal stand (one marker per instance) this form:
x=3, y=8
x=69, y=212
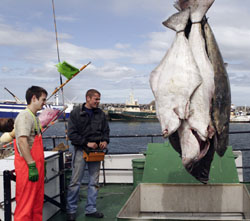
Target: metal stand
x=9, y=176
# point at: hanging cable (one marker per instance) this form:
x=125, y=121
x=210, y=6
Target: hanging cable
x=58, y=57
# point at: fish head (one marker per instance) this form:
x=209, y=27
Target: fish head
x=221, y=141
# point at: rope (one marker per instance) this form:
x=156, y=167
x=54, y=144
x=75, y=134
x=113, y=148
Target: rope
x=58, y=57
x=180, y=31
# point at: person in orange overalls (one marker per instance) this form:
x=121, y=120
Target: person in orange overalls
x=29, y=158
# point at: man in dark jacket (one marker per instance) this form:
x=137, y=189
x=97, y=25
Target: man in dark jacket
x=88, y=130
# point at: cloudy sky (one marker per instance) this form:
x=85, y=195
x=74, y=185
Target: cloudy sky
x=124, y=40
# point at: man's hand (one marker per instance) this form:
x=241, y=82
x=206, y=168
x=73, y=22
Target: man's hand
x=92, y=145
x=103, y=145
x=33, y=172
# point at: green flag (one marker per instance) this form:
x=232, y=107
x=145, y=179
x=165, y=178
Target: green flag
x=66, y=69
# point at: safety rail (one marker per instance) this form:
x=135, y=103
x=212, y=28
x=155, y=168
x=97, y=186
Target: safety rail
x=152, y=136
x=9, y=176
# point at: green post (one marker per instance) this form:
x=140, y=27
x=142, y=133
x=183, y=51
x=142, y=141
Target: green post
x=138, y=168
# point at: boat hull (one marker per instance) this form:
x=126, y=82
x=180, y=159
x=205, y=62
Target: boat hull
x=240, y=119
x=132, y=116
x=11, y=110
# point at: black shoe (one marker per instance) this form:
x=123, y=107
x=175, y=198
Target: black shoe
x=71, y=217
x=95, y=215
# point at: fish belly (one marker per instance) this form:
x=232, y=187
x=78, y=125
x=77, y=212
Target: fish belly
x=173, y=82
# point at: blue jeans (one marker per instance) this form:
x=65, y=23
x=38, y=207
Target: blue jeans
x=78, y=166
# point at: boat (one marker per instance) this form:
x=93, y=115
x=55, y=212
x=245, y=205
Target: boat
x=240, y=119
x=132, y=112
x=10, y=109
x=239, y=116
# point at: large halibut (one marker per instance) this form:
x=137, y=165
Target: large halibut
x=176, y=78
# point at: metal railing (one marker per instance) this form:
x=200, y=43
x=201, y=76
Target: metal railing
x=152, y=136
x=10, y=176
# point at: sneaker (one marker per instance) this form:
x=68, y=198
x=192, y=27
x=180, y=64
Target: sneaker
x=71, y=217
x=95, y=215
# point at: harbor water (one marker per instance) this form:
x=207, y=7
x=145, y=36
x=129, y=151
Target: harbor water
x=139, y=144
x=117, y=144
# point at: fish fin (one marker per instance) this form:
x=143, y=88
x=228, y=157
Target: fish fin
x=177, y=5
x=183, y=113
x=211, y=130
x=187, y=111
x=177, y=112
x=183, y=4
x=199, y=9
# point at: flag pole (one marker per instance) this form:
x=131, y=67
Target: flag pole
x=62, y=85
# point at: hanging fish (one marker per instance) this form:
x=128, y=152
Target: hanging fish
x=176, y=78
x=47, y=115
x=202, y=126
x=201, y=102
x=193, y=138
x=195, y=132
x=221, y=105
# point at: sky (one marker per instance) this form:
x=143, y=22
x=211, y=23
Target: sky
x=123, y=39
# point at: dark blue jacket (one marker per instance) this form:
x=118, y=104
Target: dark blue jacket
x=83, y=129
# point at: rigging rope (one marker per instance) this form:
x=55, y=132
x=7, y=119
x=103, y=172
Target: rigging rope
x=58, y=57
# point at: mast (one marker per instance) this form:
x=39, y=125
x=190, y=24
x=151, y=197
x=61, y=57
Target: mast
x=58, y=58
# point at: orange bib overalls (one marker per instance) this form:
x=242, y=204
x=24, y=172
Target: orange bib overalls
x=29, y=195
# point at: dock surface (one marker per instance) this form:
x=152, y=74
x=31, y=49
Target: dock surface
x=110, y=200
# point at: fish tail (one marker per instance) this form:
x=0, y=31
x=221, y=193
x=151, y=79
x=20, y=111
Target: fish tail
x=178, y=21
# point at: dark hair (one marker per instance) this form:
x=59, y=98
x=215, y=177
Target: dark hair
x=34, y=90
x=91, y=92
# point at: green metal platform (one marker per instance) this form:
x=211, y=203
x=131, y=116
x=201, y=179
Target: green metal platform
x=168, y=192
x=110, y=200
x=163, y=165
